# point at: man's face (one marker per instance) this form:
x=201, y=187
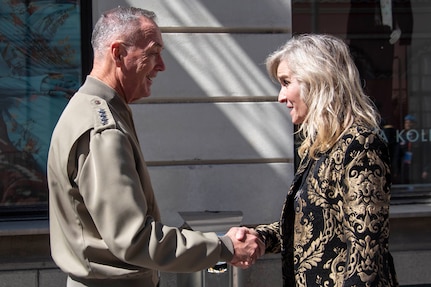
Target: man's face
x=142, y=62
x=408, y=124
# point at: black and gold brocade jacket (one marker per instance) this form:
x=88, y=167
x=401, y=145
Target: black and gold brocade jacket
x=334, y=226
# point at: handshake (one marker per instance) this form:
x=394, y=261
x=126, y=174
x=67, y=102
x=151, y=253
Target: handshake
x=247, y=244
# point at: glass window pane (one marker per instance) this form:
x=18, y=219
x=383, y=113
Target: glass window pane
x=391, y=43
x=40, y=68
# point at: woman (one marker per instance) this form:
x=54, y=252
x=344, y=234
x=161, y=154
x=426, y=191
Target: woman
x=334, y=225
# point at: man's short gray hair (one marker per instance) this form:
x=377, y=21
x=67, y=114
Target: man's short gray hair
x=120, y=23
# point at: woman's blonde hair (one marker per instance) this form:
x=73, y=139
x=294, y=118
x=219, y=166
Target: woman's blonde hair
x=330, y=87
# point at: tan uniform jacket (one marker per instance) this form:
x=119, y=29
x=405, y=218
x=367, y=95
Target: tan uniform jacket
x=104, y=219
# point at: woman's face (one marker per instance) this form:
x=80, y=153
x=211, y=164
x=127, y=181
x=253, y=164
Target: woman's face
x=289, y=94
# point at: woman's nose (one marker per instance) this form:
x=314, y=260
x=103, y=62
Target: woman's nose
x=282, y=96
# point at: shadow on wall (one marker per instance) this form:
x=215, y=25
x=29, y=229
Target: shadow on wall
x=215, y=105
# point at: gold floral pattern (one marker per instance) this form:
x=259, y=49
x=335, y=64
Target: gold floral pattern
x=334, y=225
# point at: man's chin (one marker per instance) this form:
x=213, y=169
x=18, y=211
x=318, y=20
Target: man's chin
x=139, y=101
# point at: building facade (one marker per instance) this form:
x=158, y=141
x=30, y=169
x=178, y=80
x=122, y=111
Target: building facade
x=212, y=126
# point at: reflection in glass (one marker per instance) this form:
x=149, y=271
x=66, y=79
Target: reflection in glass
x=40, y=69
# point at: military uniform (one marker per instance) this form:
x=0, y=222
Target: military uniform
x=104, y=220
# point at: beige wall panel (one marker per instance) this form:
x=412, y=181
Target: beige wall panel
x=216, y=65
x=214, y=131
x=210, y=13
x=256, y=190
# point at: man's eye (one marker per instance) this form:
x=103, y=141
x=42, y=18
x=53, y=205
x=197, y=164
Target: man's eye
x=152, y=54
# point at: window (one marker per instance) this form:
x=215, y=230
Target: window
x=391, y=43
x=43, y=45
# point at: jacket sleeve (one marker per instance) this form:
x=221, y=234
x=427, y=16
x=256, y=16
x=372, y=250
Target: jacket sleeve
x=366, y=210
x=270, y=234
x=110, y=182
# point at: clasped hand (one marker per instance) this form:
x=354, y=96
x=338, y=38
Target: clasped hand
x=248, y=246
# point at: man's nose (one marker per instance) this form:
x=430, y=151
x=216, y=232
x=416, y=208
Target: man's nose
x=160, y=66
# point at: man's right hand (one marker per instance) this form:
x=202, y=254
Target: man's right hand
x=248, y=246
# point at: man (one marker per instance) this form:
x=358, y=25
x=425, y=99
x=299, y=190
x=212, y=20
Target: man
x=104, y=220
x=411, y=156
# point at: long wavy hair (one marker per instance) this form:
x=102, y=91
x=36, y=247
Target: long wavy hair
x=330, y=87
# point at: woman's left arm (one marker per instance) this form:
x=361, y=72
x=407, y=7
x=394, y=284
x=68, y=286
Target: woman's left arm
x=366, y=207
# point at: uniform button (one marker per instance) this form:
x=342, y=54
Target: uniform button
x=96, y=102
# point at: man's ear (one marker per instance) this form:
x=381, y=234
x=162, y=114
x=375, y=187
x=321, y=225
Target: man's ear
x=117, y=52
